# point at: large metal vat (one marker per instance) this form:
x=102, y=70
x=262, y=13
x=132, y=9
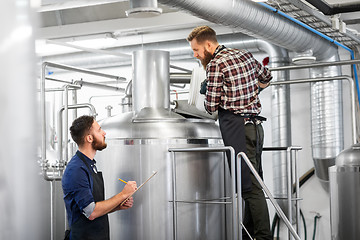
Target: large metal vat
x=138, y=144
x=345, y=195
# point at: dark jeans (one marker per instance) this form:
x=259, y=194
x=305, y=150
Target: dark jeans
x=246, y=139
x=256, y=219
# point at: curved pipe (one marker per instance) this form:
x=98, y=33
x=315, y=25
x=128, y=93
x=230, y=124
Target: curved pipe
x=60, y=128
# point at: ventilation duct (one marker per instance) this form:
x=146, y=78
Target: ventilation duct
x=327, y=120
x=256, y=21
x=143, y=9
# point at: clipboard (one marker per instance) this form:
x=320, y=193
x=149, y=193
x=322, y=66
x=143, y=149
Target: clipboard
x=122, y=203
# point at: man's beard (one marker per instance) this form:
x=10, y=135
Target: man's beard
x=207, y=58
x=97, y=145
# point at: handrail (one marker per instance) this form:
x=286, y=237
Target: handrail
x=267, y=191
x=237, y=214
x=324, y=79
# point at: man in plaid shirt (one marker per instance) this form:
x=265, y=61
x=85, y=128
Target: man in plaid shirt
x=234, y=79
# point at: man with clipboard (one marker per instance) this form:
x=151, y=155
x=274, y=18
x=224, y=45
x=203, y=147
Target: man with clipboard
x=83, y=185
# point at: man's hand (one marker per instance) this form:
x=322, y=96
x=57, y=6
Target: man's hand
x=262, y=86
x=129, y=188
x=128, y=204
x=203, y=87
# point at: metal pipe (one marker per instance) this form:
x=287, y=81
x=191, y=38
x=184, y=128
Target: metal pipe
x=180, y=68
x=53, y=90
x=202, y=202
x=98, y=85
x=174, y=197
x=43, y=162
x=60, y=128
x=66, y=134
x=88, y=84
x=82, y=70
x=185, y=77
x=268, y=193
x=52, y=210
x=42, y=101
x=100, y=96
x=74, y=101
x=52, y=174
x=180, y=77
x=313, y=65
x=58, y=80
x=297, y=187
x=289, y=189
x=352, y=95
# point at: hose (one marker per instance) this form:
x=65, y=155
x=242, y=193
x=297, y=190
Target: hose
x=315, y=219
x=303, y=219
x=276, y=219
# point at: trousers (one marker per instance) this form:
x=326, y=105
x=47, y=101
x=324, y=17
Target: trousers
x=256, y=218
x=248, y=138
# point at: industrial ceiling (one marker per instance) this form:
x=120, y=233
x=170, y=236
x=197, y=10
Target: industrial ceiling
x=73, y=19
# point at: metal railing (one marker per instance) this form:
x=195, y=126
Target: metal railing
x=236, y=208
x=282, y=215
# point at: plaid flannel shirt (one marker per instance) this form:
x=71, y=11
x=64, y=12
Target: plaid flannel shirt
x=232, y=78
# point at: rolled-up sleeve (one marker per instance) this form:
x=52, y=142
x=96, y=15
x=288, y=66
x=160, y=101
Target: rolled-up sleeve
x=214, y=87
x=87, y=211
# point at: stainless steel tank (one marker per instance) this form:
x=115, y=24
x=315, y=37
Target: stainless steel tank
x=345, y=195
x=138, y=144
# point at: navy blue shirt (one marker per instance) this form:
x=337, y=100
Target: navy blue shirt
x=77, y=184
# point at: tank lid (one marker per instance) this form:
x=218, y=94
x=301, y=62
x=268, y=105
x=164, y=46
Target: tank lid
x=157, y=114
x=349, y=157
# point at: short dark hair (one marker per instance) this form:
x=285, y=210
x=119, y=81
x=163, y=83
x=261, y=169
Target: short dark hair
x=202, y=34
x=80, y=127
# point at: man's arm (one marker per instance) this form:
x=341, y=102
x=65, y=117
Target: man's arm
x=264, y=76
x=128, y=204
x=214, y=87
x=106, y=206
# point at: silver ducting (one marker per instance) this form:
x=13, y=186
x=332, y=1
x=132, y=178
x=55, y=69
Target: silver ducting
x=256, y=21
x=327, y=121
